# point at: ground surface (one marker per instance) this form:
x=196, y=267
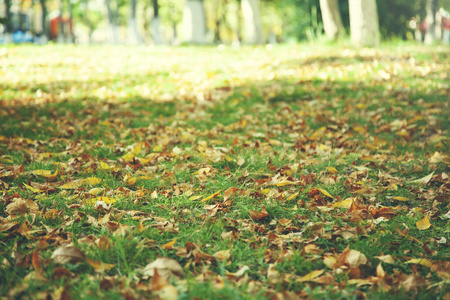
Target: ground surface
x=294, y=171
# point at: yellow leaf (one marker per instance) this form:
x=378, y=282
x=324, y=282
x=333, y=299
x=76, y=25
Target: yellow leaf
x=99, y=266
x=420, y=261
x=32, y=188
x=46, y=173
x=137, y=149
x=105, y=200
x=169, y=245
x=400, y=198
x=43, y=156
x=104, y=165
x=95, y=191
x=332, y=170
x=311, y=276
x=211, y=196
x=325, y=192
x=194, y=197
x=144, y=161
x=424, y=223
x=329, y=261
x=92, y=180
x=347, y=203
x=158, y=148
x=425, y=179
x=291, y=197
x=128, y=157
x=284, y=182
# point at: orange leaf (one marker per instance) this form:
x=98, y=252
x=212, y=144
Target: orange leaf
x=37, y=264
x=229, y=193
x=169, y=245
x=99, y=266
x=257, y=215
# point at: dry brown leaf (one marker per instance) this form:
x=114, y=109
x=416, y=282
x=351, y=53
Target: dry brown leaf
x=68, y=254
x=98, y=265
x=257, y=215
x=166, y=267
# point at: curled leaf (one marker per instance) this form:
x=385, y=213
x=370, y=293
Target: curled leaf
x=68, y=254
x=257, y=215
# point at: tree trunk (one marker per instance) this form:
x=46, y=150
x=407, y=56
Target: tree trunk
x=70, y=34
x=61, y=22
x=113, y=34
x=8, y=21
x=133, y=36
x=194, y=22
x=156, y=25
x=44, y=36
x=364, y=27
x=331, y=17
x=430, y=34
x=252, y=20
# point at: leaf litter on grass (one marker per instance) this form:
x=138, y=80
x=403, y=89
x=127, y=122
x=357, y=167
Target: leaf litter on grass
x=286, y=177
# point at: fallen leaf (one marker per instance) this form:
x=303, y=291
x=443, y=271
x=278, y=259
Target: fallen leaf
x=79, y=183
x=32, y=188
x=291, y=197
x=311, y=276
x=424, y=180
x=169, y=245
x=68, y=254
x=97, y=201
x=272, y=274
x=424, y=223
x=347, y=203
x=99, y=266
x=325, y=192
x=332, y=170
x=420, y=261
x=37, y=264
x=223, y=255
x=166, y=267
x=229, y=193
x=400, y=198
x=356, y=258
x=46, y=173
x=257, y=215
x=211, y=196
x=386, y=258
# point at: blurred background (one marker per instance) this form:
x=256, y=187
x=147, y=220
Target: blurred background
x=230, y=22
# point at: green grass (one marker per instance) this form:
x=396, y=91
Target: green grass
x=358, y=124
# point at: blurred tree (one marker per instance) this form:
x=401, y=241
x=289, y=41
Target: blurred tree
x=133, y=36
x=113, y=21
x=394, y=23
x=171, y=14
x=44, y=35
x=331, y=17
x=194, y=22
x=252, y=21
x=431, y=9
x=7, y=21
x=60, y=22
x=364, y=26
x=156, y=25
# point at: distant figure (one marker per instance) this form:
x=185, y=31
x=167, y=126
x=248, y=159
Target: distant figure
x=446, y=28
x=423, y=27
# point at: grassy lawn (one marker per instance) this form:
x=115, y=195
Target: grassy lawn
x=278, y=172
